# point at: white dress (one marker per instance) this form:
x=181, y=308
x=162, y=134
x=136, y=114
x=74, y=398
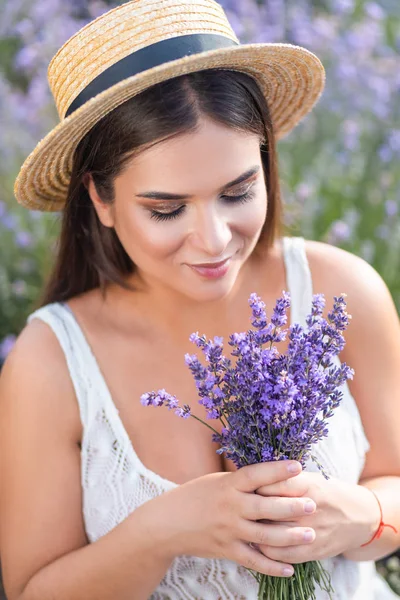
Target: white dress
x=115, y=481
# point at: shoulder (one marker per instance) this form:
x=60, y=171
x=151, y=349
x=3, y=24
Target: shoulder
x=335, y=271
x=332, y=264
x=35, y=378
x=36, y=345
x=373, y=335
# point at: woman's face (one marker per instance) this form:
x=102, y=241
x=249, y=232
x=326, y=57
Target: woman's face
x=178, y=214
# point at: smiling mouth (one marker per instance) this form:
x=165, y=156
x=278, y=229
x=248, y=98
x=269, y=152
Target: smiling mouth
x=211, y=265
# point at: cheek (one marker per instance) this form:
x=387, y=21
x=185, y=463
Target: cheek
x=162, y=239
x=144, y=238
x=250, y=218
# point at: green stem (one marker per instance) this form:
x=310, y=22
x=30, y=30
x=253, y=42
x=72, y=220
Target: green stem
x=301, y=586
x=223, y=422
x=206, y=424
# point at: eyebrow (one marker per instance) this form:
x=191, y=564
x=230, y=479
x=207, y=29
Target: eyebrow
x=167, y=196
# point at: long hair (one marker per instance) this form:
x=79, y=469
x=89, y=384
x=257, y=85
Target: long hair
x=90, y=255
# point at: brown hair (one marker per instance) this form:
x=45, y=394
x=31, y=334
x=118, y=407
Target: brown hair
x=91, y=255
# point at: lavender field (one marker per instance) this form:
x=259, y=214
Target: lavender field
x=340, y=170
x=340, y=167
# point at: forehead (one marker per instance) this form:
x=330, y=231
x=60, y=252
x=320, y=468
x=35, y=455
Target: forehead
x=208, y=157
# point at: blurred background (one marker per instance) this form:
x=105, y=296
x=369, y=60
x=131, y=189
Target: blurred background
x=340, y=168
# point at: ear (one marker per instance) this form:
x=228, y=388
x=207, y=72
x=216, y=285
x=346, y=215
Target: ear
x=104, y=211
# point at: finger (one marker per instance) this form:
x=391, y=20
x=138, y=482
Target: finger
x=252, y=477
x=256, y=561
x=294, y=487
x=292, y=554
x=279, y=536
x=256, y=508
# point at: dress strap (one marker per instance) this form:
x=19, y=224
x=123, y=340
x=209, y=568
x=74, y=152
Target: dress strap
x=298, y=278
x=80, y=361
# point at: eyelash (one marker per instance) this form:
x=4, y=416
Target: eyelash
x=158, y=216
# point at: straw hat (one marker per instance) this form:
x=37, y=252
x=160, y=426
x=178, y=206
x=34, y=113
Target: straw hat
x=138, y=45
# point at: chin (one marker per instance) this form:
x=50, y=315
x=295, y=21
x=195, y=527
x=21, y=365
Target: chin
x=205, y=297
x=210, y=291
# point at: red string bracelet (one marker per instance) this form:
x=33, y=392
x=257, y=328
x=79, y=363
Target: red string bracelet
x=382, y=525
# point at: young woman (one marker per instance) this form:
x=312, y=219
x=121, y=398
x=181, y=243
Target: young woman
x=164, y=167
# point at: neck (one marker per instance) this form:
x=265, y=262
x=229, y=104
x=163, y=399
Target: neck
x=176, y=315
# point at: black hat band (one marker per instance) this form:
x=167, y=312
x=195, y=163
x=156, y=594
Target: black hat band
x=146, y=58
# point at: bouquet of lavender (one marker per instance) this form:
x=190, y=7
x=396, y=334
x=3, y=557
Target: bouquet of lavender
x=272, y=405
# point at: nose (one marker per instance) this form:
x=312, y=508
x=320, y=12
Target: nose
x=211, y=231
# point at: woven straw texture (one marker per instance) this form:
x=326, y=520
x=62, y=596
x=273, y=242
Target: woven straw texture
x=291, y=78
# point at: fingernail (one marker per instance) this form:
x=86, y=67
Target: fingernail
x=310, y=506
x=294, y=467
x=308, y=536
x=288, y=572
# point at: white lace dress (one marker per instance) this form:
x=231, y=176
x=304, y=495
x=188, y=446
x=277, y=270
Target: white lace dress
x=115, y=481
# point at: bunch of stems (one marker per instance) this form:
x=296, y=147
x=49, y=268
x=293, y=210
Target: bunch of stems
x=301, y=586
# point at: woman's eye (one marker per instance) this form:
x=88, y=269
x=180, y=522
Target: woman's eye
x=166, y=216
x=161, y=216
x=242, y=197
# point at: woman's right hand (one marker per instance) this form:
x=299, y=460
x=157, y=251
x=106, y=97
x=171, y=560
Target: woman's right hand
x=218, y=515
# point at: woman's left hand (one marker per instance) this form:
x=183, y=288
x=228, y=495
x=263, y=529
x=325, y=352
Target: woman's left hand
x=346, y=516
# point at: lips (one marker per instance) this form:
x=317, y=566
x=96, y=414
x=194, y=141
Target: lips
x=212, y=270
x=211, y=265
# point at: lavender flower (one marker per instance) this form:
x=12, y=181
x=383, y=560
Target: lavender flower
x=6, y=345
x=272, y=405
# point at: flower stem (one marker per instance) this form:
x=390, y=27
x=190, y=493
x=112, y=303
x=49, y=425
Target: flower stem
x=206, y=424
x=301, y=586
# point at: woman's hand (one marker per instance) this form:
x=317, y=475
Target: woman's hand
x=345, y=517
x=219, y=515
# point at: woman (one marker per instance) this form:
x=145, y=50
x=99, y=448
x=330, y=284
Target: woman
x=164, y=166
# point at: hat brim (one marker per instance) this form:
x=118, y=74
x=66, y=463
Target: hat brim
x=290, y=77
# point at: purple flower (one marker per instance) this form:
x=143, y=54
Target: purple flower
x=340, y=231
x=266, y=332
x=23, y=239
x=3, y=209
x=375, y=11
x=391, y=208
x=343, y=6
x=162, y=398
x=6, y=346
x=9, y=221
x=272, y=406
x=26, y=59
